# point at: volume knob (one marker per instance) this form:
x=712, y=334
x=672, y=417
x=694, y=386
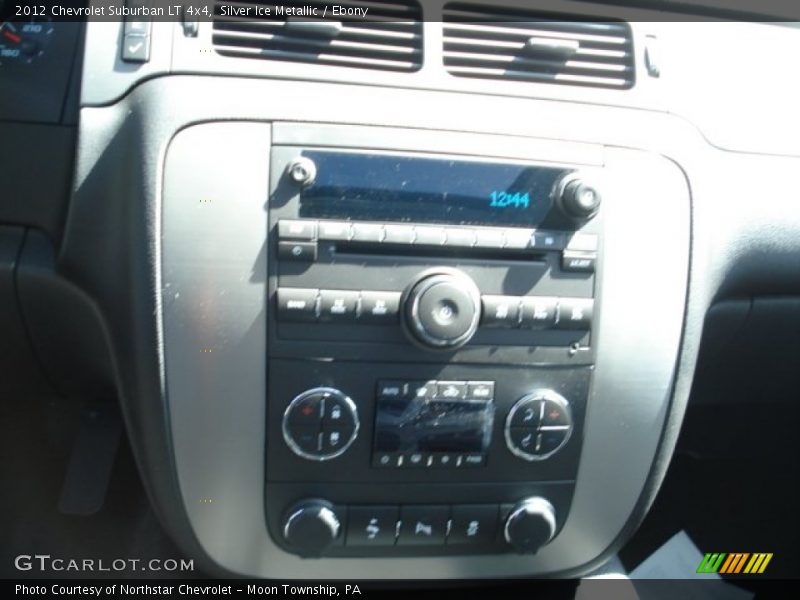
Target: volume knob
x=442, y=309
x=530, y=525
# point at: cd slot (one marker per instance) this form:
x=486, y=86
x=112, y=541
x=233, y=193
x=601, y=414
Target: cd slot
x=351, y=248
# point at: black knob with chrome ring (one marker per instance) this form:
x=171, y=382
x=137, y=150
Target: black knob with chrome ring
x=530, y=525
x=311, y=526
x=442, y=309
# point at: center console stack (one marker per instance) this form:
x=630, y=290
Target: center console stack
x=431, y=346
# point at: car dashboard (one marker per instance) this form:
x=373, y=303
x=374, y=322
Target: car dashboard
x=415, y=289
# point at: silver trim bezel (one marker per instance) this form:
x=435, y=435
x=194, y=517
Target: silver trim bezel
x=539, y=394
x=294, y=447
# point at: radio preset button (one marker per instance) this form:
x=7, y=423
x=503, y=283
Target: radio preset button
x=295, y=229
x=518, y=239
x=489, y=238
x=429, y=235
x=379, y=307
x=297, y=251
x=575, y=313
x=338, y=305
x=539, y=312
x=398, y=234
x=578, y=262
x=500, y=311
x=297, y=304
x=333, y=231
x=367, y=232
x=480, y=390
x=460, y=237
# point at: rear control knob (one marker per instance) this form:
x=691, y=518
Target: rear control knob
x=320, y=424
x=578, y=199
x=311, y=526
x=530, y=525
x=538, y=425
x=442, y=309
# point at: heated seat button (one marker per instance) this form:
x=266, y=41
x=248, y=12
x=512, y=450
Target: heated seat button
x=338, y=305
x=297, y=304
x=476, y=524
x=423, y=525
x=372, y=526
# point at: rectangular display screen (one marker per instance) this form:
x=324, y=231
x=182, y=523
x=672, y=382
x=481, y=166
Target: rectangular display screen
x=417, y=425
x=426, y=190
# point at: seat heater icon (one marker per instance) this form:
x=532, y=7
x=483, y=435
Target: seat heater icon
x=372, y=529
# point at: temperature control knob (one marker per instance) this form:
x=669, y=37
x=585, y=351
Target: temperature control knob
x=578, y=198
x=530, y=525
x=442, y=309
x=311, y=526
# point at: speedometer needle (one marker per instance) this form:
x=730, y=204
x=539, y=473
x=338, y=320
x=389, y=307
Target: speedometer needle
x=12, y=36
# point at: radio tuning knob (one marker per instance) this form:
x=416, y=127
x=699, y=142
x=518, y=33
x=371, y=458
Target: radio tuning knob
x=442, y=309
x=578, y=199
x=530, y=525
x=312, y=526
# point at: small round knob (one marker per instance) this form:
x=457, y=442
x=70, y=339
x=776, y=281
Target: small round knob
x=302, y=171
x=312, y=526
x=579, y=199
x=530, y=525
x=442, y=310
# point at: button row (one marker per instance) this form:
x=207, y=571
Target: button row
x=537, y=312
x=439, y=390
x=300, y=304
x=512, y=238
x=422, y=525
x=429, y=460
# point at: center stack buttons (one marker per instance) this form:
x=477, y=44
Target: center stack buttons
x=320, y=424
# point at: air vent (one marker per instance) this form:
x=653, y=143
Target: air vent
x=498, y=43
x=368, y=34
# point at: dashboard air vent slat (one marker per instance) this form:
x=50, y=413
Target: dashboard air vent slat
x=388, y=37
x=498, y=43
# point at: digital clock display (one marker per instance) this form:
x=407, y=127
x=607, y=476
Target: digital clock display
x=379, y=187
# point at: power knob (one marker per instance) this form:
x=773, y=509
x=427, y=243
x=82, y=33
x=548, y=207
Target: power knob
x=530, y=525
x=578, y=198
x=442, y=309
x=311, y=526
